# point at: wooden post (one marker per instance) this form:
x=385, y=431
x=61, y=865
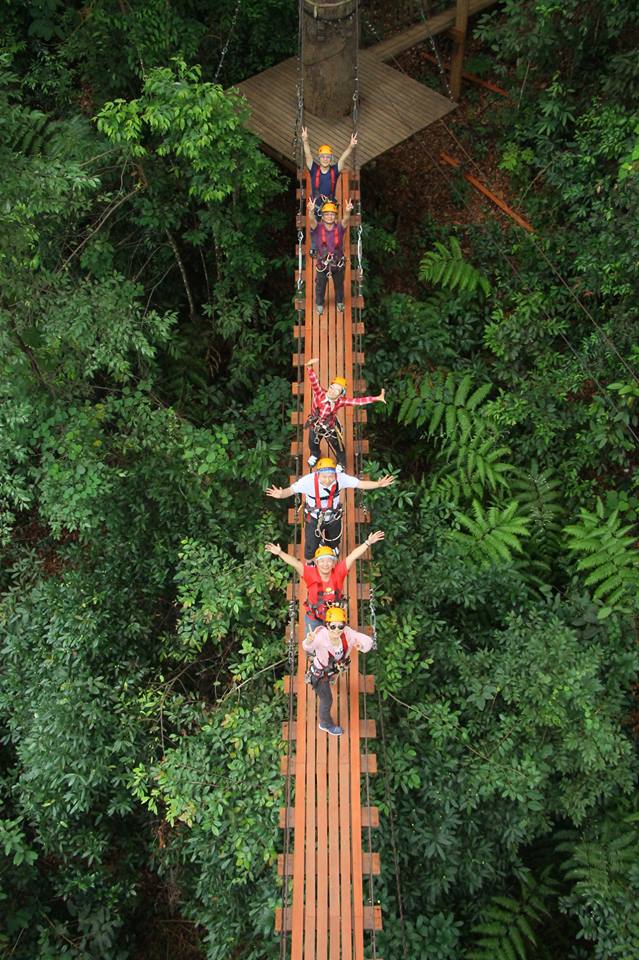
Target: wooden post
x=329, y=56
x=458, y=33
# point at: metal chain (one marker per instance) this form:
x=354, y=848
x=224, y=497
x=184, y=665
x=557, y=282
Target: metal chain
x=300, y=247
x=228, y=40
x=372, y=615
x=292, y=618
x=438, y=58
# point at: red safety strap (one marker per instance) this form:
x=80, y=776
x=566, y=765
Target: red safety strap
x=344, y=647
x=318, y=174
x=331, y=494
x=324, y=242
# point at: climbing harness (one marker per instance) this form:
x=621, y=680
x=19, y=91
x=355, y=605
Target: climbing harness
x=335, y=666
x=317, y=178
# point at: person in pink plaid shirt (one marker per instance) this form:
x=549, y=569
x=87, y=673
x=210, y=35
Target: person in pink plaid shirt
x=323, y=423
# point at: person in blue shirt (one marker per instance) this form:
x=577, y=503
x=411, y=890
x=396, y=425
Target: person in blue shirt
x=324, y=172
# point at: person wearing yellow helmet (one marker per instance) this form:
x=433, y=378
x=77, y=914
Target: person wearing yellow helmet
x=322, y=503
x=324, y=172
x=325, y=580
x=327, y=243
x=322, y=423
x=332, y=645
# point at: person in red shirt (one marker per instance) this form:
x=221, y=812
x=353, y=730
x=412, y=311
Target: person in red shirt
x=323, y=423
x=327, y=240
x=324, y=581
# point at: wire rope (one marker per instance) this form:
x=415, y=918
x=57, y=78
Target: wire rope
x=228, y=40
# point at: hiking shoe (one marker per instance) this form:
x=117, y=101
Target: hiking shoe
x=340, y=307
x=332, y=729
x=320, y=311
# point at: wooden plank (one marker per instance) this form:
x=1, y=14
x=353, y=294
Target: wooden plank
x=371, y=865
x=423, y=31
x=310, y=868
x=367, y=729
x=321, y=767
x=478, y=185
x=370, y=815
x=372, y=917
x=366, y=683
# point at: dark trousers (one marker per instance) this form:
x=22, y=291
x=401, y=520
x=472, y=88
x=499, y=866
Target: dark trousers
x=334, y=440
x=330, y=536
x=325, y=696
x=321, y=279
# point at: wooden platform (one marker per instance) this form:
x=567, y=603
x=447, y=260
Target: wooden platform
x=436, y=24
x=392, y=108
x=328, y=913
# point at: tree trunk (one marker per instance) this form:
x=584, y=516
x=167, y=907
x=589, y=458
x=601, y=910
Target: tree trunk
x=329, y=56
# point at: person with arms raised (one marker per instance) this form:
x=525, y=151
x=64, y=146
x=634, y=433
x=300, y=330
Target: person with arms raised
x=325, y=580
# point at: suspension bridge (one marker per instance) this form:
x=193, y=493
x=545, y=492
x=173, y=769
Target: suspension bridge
x=329, y=907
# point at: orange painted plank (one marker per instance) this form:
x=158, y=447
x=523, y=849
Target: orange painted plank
x=310, y=861
x=345, y=809
x=478, y=185
x=321, y=767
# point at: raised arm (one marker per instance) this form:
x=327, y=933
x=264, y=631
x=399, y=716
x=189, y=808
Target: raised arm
x=347, y=214
x=292, y=561
x=308, y=156
x=281, y=493
x=319, y=393
x=344, y=157
x=312, y=219
x=363, y=401
x=386, y=481
x=361, y=550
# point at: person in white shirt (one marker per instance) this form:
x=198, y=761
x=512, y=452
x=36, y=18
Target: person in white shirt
x=332, y=645
x=323, y=508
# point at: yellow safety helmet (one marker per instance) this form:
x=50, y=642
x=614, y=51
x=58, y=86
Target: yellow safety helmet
x=325, y=552
x=329, y=207
x=335, y=615
x=340, y=381
x=325, y=463
x=324, y=148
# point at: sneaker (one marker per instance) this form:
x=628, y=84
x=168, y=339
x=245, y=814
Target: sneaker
x=320, y=311
x=312, y=461
x=332, y=729
x=340, y=307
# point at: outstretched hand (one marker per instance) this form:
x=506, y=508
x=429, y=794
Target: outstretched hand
x=349, y=205
x=382, y=397
x=304, y=133
x=353, y=139
x=375, y=537
x=273, y=548
x=277, y=492
x=386, y=481
x=310, y=363
x=310, y=203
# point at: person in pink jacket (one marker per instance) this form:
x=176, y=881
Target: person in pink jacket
x=332, y=645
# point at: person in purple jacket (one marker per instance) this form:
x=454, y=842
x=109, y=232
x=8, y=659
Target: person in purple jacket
x=327, y=239
x=332, y=645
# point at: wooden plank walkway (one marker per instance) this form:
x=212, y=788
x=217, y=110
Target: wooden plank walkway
x=436, y=24
x=327, y=918
x=392, y=108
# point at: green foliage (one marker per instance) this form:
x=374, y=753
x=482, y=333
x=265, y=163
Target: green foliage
x=602, y=866
x=507, y=927
x=492, y=534
x=610, y=559
x=446, y=267
x=444, y=402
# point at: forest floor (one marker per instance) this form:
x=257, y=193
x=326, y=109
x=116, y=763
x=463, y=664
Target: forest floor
x=416, y=186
